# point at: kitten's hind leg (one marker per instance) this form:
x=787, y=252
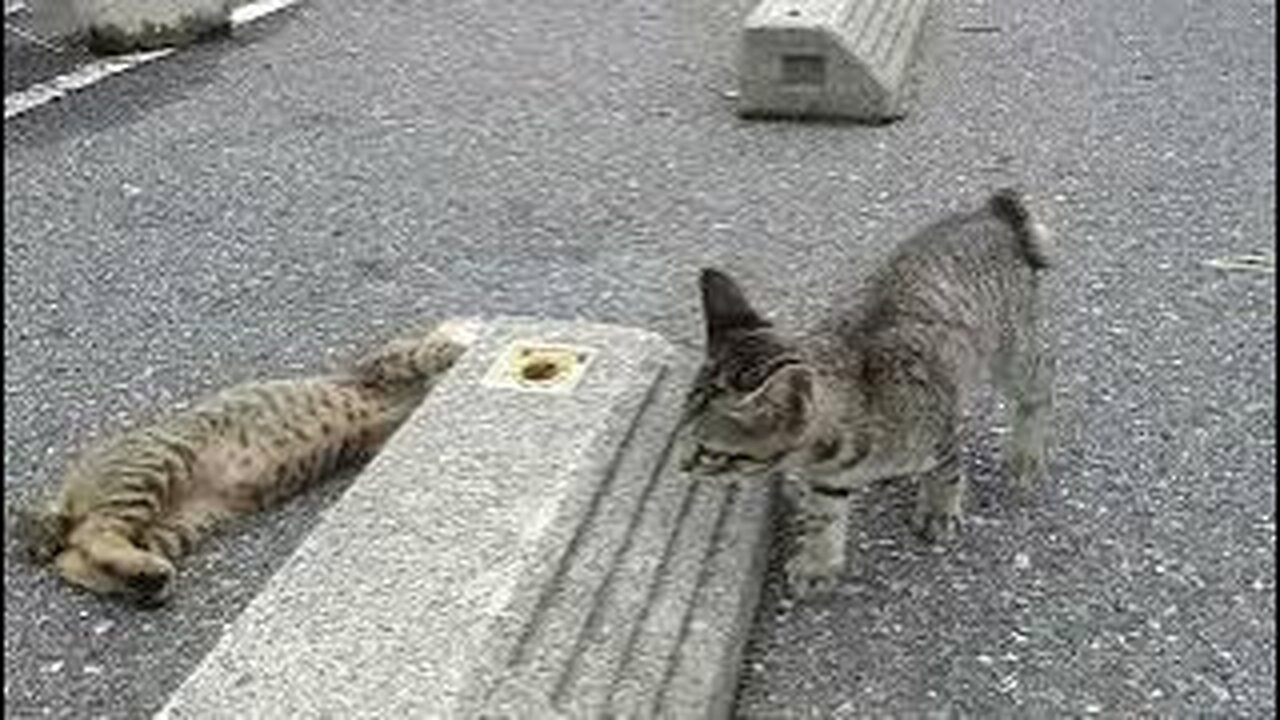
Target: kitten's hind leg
x=823, y=521
x=940, y=499
x=1030, y=396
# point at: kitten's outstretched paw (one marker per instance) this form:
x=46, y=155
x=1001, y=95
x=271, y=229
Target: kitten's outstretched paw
x=809, y=577
x=939, y=528
x=1025, y=469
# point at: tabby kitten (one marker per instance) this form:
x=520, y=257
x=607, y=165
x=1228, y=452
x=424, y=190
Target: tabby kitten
x=132, y=505
x=876, y=390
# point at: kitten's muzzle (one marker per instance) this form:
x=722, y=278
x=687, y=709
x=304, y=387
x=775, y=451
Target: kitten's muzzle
x=704, y=461
x=701, y=461
x=150, y=590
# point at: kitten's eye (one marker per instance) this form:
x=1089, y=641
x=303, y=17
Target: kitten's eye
x=750, y=377
x=710, y=391
x=753, y=376
x=697, y=399
x=744, y=380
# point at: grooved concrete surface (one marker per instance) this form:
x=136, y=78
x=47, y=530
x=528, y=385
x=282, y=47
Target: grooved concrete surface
x=263, y=206
x=513, y=554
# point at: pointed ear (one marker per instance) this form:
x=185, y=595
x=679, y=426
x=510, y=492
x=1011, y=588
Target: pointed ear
x=788, y=391
x=725, y=307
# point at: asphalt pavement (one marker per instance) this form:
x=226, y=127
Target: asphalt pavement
x=272, y=203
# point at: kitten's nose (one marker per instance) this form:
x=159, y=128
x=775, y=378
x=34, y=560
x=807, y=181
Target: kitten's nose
x=150, y=589
x=704, y=462
x=151, y=602
x=690, y=460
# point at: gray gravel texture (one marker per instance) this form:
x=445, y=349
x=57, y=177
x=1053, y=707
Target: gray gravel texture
x=269, y=204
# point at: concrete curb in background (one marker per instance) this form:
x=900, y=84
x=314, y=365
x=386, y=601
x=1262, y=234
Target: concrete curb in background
x=117, y=26
x=828, y=58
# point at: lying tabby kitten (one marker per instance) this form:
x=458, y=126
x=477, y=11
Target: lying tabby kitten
x=876, y=390
x=132, y=505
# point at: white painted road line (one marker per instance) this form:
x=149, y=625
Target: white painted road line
x=19, y=102
x=82, y=77
x=31, y=38
x=253, y=11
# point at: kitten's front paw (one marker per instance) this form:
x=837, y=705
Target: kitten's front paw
x=1025, y=469
x=936, y=527
x=794, y=491
x=809, y=575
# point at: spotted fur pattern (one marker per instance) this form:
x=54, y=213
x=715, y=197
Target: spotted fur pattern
x=134, y=504
x=877, y=389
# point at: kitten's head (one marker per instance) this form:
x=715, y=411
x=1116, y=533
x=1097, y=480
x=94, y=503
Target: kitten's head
x=752, y=402
x=94, y=555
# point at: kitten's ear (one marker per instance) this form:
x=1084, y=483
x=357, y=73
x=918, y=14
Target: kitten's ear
x=788, y=391
x=725, y=307
x=41, y=530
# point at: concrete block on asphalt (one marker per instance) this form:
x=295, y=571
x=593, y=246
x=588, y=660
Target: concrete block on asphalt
x=113, y=26
x=52, y=18
x=525, y=546
x=828, y=58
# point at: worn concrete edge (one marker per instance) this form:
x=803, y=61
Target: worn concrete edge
x=516, y=629
x=704, y=676
x=672, y=607
x=639, y=574
x=593, y=567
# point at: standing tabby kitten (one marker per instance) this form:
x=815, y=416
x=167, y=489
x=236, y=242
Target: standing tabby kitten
x=132, y=505
x=876, y=391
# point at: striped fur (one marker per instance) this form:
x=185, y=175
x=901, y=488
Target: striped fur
x=877, y=389
x=132, y=505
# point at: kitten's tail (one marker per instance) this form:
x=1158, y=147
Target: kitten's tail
x=1034, y=238
x=418, y=359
